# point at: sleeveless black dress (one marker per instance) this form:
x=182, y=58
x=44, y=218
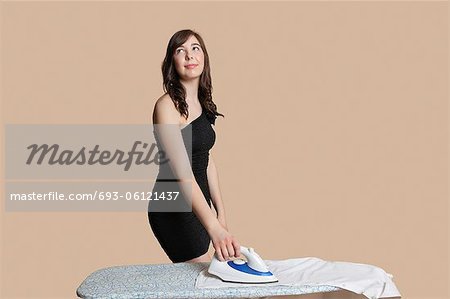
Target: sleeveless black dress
x=181, y=234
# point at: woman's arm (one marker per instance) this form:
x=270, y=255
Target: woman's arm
x=216, y=196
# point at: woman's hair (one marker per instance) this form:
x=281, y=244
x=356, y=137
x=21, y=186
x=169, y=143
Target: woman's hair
x=171, y=80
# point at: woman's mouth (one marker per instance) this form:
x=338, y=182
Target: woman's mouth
x=191, y=66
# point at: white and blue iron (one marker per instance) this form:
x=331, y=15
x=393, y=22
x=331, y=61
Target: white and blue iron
x=254, y=270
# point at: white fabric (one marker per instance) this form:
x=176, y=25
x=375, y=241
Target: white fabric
x=371, y=281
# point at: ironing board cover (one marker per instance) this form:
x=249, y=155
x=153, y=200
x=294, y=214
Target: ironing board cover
x=172, y=281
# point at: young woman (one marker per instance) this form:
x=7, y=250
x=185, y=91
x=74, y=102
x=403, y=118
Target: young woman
x=185, y=236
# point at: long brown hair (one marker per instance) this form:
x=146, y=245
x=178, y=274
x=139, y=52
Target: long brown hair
x=171, y=80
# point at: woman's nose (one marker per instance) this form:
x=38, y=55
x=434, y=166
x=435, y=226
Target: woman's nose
x=189, y=55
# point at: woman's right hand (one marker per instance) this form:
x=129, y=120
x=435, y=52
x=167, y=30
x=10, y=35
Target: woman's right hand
x=224, y=243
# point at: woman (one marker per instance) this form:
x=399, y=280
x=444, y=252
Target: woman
x=185, y=236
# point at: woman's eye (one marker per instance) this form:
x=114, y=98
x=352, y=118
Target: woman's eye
x=195, y=47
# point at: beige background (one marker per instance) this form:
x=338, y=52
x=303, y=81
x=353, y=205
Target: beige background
x=333, y=145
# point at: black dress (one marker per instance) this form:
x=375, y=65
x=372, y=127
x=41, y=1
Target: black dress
x=181, y=234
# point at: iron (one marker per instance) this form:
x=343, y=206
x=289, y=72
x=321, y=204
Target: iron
x=254, y=270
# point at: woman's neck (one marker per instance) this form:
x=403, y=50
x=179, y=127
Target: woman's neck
x=191, y=87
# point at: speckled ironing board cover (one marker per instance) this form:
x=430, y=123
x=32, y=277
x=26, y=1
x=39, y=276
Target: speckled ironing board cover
x=173, y=281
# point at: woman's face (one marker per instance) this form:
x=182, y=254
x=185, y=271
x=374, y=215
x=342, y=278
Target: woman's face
x=189, y=59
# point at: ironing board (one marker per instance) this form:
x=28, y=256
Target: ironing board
x=173, y=281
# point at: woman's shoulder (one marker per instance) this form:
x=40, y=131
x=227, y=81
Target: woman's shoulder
x=165, y=101
x=165, y=111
